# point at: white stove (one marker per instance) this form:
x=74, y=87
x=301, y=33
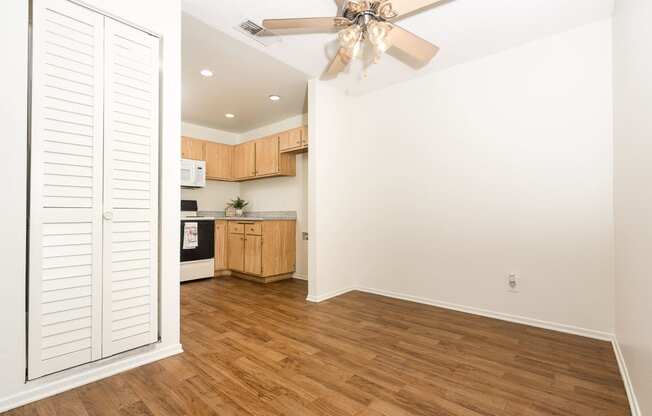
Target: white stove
x=197, y=243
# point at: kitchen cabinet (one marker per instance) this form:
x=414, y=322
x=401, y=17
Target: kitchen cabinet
x=236, y=252
x=267, y=156
x=221, y=244
x=262, y=250
x=260, y=158
x=244, y=161
x=295, y=140
x=219, y=161
x=253, y=253
x=193, y=149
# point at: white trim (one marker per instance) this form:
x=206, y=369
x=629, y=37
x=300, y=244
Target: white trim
x=329, y=295
x=629, y=387
x=300, y=276
x=568, y=329
x=70, y=379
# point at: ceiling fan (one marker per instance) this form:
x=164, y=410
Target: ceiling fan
x=365, y=30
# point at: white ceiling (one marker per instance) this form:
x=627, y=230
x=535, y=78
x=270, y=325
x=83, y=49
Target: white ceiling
x=464, y=29
x=244, y=77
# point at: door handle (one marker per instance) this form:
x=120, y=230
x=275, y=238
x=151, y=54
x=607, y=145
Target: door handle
x=108, y=215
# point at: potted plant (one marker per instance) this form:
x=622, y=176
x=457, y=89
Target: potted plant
x=236, y=207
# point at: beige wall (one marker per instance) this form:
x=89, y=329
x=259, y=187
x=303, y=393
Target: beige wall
x=633, y=191
x=448, y=183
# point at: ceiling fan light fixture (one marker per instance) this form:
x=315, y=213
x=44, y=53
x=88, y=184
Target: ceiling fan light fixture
x=350, y=39
x=378, y=35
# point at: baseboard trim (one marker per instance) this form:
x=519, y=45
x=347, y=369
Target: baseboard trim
x=299, y=276
x=568, y=329
x=329, y=295
x=629, y=387
x=59, y=383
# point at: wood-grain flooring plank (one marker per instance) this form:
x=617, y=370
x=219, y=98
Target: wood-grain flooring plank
x=262, y=350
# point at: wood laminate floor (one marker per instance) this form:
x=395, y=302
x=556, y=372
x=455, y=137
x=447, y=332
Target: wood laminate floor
x=263, y=350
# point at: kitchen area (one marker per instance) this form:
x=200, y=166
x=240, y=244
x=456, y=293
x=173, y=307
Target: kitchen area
x=244, y=161
x=231, y=240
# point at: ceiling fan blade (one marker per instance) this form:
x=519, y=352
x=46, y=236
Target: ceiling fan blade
x=322, y=24
x=405, y=7
x=410, y=48
x=339, y=62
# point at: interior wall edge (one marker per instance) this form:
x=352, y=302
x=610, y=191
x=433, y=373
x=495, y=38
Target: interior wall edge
x=55, y=384
x=624, y=373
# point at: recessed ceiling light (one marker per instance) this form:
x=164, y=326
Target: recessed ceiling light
x=206, y=72
x=229, y=115
x=274, y=97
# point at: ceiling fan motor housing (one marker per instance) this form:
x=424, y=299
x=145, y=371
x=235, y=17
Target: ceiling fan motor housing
x=361, y=12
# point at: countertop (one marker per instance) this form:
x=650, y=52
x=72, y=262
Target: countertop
x=253, y=216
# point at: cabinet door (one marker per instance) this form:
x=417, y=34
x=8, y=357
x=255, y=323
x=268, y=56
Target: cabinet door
x=279, y=248
x=244, y=160
x=236, y=252
x=220, y=245
x=218, y=160
x=253, y=254
x=289, y=141
x=192, y=149
x=267, y=156
x=130, y=230
x=65, y=267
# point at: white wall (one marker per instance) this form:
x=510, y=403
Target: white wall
x=633, y=191
x=446, y=184
x=283, y=194
x=13, y=170
x=13, y=118
x=216, y=193
x=334, y=245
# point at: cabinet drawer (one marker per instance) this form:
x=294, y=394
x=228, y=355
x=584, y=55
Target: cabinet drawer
x=236, y=228
x=255, y=228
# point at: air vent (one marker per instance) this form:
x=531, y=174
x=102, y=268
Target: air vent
x=257, y=33
x=251, y=28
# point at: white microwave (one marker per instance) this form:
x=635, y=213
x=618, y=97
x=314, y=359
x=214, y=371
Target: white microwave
x=193, y=173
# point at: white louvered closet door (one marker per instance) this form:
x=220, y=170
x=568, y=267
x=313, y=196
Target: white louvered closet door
x=130, y=292
x=66, y=188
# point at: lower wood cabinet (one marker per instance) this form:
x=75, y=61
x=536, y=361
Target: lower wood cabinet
x=221, y=234
x=262, y=249
x=236, y=252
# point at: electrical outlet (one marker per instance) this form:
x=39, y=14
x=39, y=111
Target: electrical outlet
x=512, y=283
x=304, y=235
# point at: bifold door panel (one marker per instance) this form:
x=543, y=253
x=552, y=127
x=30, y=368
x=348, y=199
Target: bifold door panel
x=130, y=307
x=92, y=278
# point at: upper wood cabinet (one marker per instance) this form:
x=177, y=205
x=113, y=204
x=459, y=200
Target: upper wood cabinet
x=295, y=140
x=219, y=161
x=193, y=149
x=244, y=160
x=267, y=156
x=260, y=158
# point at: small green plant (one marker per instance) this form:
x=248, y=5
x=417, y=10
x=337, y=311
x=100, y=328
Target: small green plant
x=238, y=203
